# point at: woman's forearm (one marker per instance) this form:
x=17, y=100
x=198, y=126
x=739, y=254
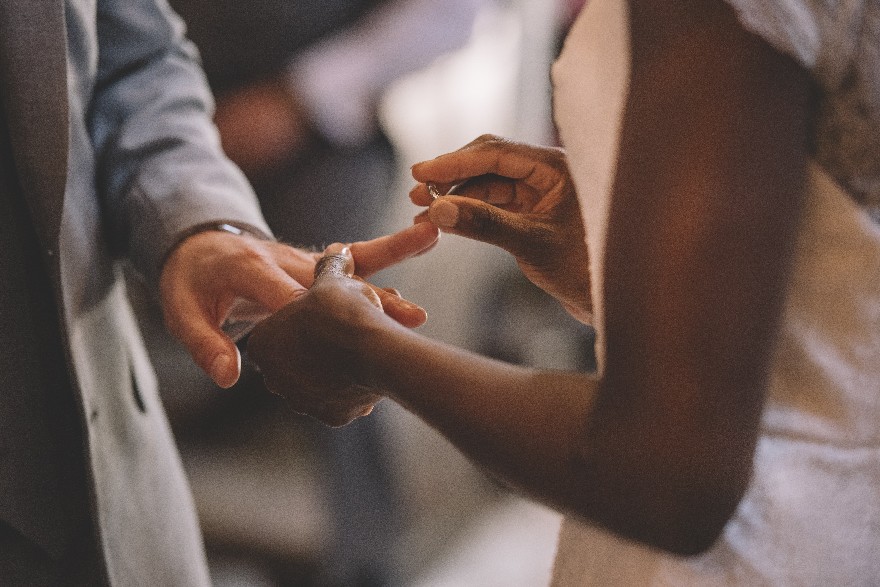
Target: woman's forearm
x=544, y=433
x=525, y=426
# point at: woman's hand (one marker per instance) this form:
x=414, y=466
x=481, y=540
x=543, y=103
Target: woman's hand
x=519, y=197
x=308, y=351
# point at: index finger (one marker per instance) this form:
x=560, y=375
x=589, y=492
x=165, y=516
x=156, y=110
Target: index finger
x=536, y=167
x=377, y=254
x=489, y=187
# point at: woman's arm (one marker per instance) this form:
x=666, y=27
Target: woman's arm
x=706, y=204
x=708, y=195
x=709, y=191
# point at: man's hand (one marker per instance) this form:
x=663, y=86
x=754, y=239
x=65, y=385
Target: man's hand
x=208, y=271
x=518, y=197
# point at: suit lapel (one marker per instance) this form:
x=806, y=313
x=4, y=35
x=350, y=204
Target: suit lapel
x=33, y=71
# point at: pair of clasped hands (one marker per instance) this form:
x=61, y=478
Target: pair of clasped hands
x=311, y=350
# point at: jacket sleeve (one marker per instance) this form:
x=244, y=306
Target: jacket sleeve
x=160, y=169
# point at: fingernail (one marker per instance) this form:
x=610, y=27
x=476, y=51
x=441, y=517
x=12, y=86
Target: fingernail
x=218, y=369
x=444, y=214
x=336, y=249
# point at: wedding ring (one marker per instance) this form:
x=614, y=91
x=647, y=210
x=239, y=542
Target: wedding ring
x=332, y=265
x=432, y=189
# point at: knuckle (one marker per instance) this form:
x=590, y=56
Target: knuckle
x=484, y=140
x=488, y=138
x=252, y=254
x=540, y=243
x=486, y=221
x=558, y=162
x=543, y=237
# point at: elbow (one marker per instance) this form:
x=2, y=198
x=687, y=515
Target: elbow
x=691, y=522
x=691, y=535
x=683, y=517
x=674, y=490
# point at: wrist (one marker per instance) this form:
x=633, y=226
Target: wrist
x=232, y=227
x=185, y=246
x=387, y=358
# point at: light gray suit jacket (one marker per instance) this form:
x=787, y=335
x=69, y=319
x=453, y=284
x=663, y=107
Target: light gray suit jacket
x=109, y=120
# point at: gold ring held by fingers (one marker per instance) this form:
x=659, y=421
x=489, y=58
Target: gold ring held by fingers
x=333, y=265
x=432, y=189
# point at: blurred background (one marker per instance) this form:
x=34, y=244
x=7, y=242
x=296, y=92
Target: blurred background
x=325, y=105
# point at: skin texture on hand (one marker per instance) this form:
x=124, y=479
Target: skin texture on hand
x=319, y=376
x=208, y=271
x=518, y=197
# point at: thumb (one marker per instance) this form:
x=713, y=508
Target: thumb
x=475, y=219
x=209, y=347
